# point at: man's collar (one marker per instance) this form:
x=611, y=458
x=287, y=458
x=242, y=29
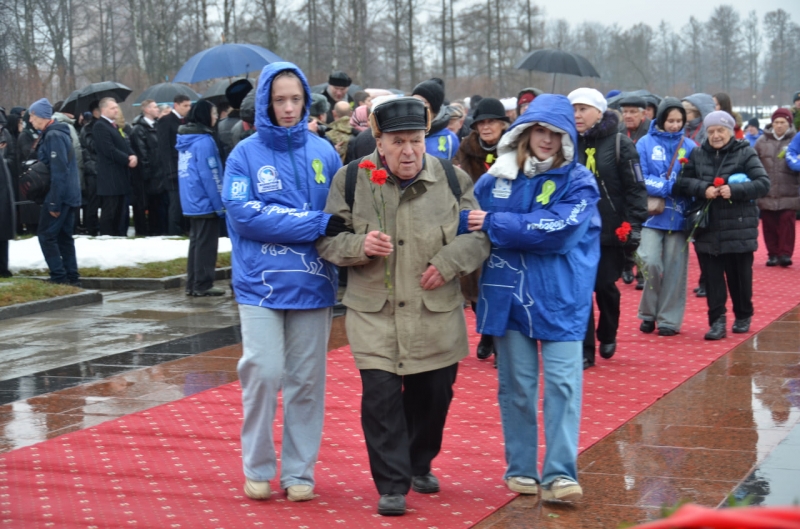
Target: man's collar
x=109, y=120
x=177, y=114
x=149, y=121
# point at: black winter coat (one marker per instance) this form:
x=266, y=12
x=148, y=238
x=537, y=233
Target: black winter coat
x=8, y=210
x=225, y=134
x=144, y=141
x=733, y=224
x=113, y=174
x=623, y=195
x=168, y=155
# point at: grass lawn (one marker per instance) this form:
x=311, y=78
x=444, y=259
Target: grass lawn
x=147, y=270
x=21, y=290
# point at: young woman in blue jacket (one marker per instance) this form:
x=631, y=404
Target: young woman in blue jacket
x=274, y=192
x=200, y=185
x=540, y=212
x=663, y=249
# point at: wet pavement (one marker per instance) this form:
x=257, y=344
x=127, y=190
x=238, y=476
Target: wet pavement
x=731, y=429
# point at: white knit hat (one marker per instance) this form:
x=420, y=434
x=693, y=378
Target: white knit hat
x=509, y=103
x=588, y=96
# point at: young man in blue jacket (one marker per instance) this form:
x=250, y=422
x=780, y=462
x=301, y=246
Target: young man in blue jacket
x=275, y=187
x=57, y=219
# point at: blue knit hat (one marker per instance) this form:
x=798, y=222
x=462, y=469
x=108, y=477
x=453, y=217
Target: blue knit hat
x=42, y=109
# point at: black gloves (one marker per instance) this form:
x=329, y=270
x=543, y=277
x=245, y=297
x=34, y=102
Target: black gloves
x=634, y=239
x=336, y=225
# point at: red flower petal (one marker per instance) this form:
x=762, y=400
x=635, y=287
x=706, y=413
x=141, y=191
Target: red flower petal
x=683, y=161
x=378, y=177
x=366, y=164
x=719, y=181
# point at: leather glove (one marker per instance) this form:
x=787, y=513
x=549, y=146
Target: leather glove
x=336, y=225
x=634, y=239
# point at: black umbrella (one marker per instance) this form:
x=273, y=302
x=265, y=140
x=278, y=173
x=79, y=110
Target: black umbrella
x=557, y=61
x=216, y=94
x=648, y=96
x=165, y=93
x=79, y=100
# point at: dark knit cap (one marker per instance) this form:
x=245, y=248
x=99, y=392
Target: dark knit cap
x=633, y=101
x=782, y=112
x=201, y=113
x=402, y=113
x=753, y=122
x=339, y=79
x=489, y=108
x=319, y=105
x=795, y=98
x=433, y=93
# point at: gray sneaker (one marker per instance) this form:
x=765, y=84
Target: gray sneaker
x=562, y=489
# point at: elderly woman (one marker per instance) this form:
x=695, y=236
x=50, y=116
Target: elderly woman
x=405, y=317
x=725, y=247
x=779, y=207
x=536, y=290
x=663, y=248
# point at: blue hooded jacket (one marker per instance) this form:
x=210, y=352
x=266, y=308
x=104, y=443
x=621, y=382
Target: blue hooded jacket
x=275, y=187
x=545, y=234
x=753, y=138
x=656, y=150
x=56, y=152
x=199, y=172
x=793, y=154
x=442, y=144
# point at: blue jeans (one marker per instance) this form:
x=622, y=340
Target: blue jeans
x=57, y=244
x=283, y=349
x=518, y=375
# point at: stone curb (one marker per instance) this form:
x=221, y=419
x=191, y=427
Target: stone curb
x=144, y=283
x=42, y=305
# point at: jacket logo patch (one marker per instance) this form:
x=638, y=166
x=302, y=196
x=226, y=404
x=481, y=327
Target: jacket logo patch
x=658, y=154
x=53, y=154
x=183, y=163
x=502, y=188
x=212, y=162
x=237, y=189
x=268, y=179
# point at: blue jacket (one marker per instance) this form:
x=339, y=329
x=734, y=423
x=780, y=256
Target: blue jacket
x=656, y=150
x=56, y=152
x=442, y=144
x=199, y=171
x=753, y=139
x=793, y=154
x=545, y=234
x=275, y=187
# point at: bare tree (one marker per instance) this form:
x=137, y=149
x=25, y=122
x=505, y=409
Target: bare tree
x=723, y=36
x=753, y=41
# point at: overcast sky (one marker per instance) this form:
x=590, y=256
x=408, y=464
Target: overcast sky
x=676, y=12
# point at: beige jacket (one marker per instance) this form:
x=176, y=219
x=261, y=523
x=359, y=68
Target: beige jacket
x=408, y=330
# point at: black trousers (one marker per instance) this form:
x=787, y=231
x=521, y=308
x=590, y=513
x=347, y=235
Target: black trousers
x=607, y=297
x=202, y=262
x=403, y=419
x=154, y=220
x=4, y=272
x=737, y=268
x=92, y=203
x=175, y=215
x=112, y=207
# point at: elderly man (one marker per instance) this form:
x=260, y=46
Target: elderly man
x=634, y=120
x=405, y=317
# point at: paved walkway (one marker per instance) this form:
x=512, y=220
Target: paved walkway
x=733, y=428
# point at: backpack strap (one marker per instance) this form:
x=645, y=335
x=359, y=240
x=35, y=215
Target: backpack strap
x=452, y=179
x=350, y=179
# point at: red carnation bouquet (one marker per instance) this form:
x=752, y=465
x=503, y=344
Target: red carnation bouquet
x=377, y=177
x=624, y=231
x=719, y=181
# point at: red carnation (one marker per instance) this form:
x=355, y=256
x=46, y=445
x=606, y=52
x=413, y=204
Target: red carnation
x=683, y=161
x=719, y=181
x=366, y=164
x=378, y=177
x=623, y=231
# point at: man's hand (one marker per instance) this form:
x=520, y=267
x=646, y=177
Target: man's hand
x=378, y=244
x=55, y=214
x=431, y=279
x=725, y=191
x=475, y=220
x=132, y=161
x=712, y=192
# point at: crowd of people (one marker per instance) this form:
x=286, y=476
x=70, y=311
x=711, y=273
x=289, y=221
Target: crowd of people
x=529, y=208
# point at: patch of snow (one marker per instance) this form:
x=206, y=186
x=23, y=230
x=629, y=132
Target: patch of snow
x=105, y=252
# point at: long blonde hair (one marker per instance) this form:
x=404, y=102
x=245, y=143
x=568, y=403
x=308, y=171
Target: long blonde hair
x=524, y=150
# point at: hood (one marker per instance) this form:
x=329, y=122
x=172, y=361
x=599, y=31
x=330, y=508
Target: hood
x=703, y=102
x=190, y=134
x=276, y=137
x=551, y=111
x=56, y=127
x=664, y=109
x=63, y=118
x=440, y=121
x=656, y=132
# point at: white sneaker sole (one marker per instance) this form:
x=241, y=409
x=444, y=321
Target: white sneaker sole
x=520, y=488
x=571, y=493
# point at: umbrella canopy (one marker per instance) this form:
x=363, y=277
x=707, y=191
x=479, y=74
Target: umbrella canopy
x=557, y=61
x=165, y=93
x=79, y=100
x=225, y=60
x=648, y=96
x=218, y=92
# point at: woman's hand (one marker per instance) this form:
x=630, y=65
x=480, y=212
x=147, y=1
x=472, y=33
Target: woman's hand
x=725, y=191
x=475, y=220
x=431, y=279
x=378, y=244
x=712, y=192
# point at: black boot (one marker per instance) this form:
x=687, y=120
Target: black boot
x=485, y=347
x=717, y=331
x=741, y=325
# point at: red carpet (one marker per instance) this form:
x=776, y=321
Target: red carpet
x=178, y=465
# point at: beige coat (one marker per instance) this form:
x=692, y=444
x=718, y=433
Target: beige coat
x=408, y=330
x=783, y=182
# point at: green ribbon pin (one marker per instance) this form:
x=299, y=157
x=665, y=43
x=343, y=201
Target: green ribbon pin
x=681, y=153
x=442, y=144
x=548, y=188
x=317, y=166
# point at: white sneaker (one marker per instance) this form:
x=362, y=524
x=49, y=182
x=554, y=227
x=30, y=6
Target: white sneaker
x=257, y=490
x=522, y=485
x=300, y=492
x=562, y=489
